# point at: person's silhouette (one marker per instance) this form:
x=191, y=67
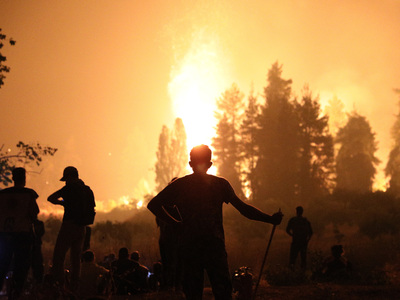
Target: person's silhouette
x=199, y=198
x=94, y=278
x=122, y=269
x=18, y=212
x=72, y=232
x=170, y=247
x=336, y=267
x=299, y=228
x=140, y=273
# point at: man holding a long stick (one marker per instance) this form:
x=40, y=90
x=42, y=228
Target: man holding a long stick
x=199, y=198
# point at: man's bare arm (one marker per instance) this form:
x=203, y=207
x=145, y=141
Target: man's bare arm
x=254, y=213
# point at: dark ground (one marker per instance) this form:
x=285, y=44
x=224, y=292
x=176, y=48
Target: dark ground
x=324, y=291
x=300, y=292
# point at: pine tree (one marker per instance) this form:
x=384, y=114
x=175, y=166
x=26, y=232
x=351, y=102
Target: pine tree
x=316, y=157
x=226, y=142
x=277, y=140
x=249, y=148
x=356, y=161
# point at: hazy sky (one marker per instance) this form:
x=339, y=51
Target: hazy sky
x=98, y=79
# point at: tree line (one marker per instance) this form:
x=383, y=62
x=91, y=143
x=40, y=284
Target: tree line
x=287, y=149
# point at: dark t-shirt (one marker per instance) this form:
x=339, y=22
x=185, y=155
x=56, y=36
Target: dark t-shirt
x=18, y=209
x=301, y=229
x=74, y=195
x=199, y=199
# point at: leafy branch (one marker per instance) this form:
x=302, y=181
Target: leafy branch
x=27, y=154
x=3, y=67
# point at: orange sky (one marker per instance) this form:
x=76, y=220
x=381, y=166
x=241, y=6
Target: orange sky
x=98, y=79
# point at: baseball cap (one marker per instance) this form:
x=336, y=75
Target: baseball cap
x=69, y=172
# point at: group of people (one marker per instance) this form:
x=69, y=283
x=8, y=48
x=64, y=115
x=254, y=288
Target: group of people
x=190, y=207
x=21, y=230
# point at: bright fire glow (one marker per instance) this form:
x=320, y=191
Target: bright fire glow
x=196, y=82
x=139, y=204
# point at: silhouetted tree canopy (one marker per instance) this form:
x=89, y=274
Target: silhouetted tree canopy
x=356, y=161
x=227, y=140
x=277, y=140
x=248, y=145
x=316, y=157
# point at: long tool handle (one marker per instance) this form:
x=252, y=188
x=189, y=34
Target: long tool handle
x=265, y=258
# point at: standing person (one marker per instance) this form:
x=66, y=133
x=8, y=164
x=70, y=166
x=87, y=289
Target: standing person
x=18, y=212
x=199, y=198
x=78, y=201
x=299, y=228
x=37, y=255
x=170, y=246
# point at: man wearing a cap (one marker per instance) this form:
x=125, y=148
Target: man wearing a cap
x=199, y=198
x=18, y=212
x=72, y=231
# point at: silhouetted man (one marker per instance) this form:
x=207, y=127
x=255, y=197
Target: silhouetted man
x=299, y=228
x=199, y=198
x=73, y=197
x=18, y=212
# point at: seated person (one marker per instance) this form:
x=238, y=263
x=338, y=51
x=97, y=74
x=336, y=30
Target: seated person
x=122, y=269
x=94, y=278
x=336, y=267
x=140, y=274
x=156, y=279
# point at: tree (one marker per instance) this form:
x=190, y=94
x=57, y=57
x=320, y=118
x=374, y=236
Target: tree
x=26, y=154
x=356, y=161
x=277, y=140
x=3, y=67
x=172, y=156
x=392, y=169
x=226, y=142
x=316, y=157
x=248, y=146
